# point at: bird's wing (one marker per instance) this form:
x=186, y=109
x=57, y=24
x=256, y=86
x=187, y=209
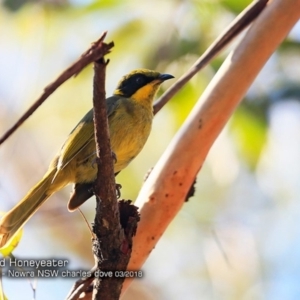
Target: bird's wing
x=82, y=134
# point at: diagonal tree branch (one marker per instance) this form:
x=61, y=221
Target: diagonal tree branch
x=238, y=25
x=95, y=52
x=163, y=194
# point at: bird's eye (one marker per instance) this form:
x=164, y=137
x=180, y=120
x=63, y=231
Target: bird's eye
x=139, y=80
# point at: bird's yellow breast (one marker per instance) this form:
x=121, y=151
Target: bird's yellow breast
x=129, y=126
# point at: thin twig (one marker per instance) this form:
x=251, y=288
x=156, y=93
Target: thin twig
x=86, y=222
x=80, y=287
x=95, y=52
x=220, y=246
x=238, y=25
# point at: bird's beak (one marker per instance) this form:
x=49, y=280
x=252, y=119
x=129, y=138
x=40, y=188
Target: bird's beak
x=164, y=77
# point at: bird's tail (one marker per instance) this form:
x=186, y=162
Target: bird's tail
x=13, y=220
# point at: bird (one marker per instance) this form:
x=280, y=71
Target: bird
x=130, y=115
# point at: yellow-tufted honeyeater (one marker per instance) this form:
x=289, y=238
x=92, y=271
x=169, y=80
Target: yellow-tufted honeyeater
x=130, y=117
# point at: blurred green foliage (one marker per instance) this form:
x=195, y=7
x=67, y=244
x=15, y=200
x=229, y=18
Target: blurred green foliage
x=250, y=134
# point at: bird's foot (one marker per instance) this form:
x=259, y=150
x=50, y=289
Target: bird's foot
x=94, y=162
x=95, y=159
x=118, y=190
x=114, y=156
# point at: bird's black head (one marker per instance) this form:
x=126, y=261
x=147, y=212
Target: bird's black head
x=130, y=84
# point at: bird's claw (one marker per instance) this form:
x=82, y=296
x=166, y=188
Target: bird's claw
x=94, y=162
x=114, y=156
x=118, y=190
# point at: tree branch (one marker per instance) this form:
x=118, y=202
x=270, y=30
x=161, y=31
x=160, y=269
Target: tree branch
x=95, y=52
x=112, y=247
x=238, y=25
x=163, y=194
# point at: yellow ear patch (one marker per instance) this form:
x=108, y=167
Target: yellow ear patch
x=146, y=93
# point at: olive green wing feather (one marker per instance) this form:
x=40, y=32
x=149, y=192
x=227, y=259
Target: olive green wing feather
x=83, y=134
